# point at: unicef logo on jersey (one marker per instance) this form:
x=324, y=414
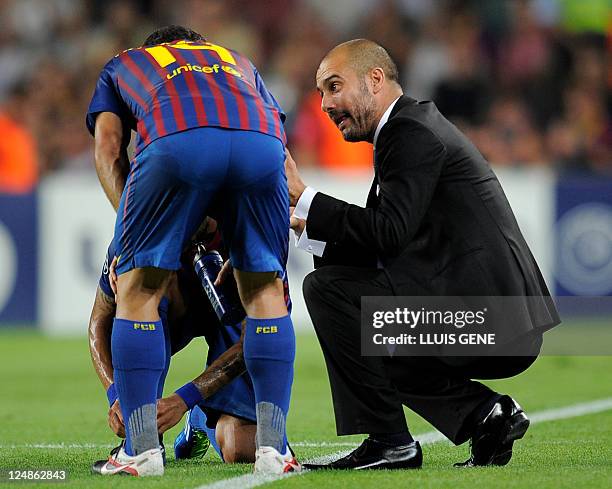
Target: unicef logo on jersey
x=8, y=265
x=584, y=261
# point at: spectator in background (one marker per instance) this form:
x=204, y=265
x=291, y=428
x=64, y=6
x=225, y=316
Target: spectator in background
x=463, y=93
x=509, y=136
x=18, y=158
x=391, y=28
x=580, y=138
x=220, y=21
x=525, y=52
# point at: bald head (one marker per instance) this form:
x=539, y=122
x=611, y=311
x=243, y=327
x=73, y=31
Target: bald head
x=357, y=81
x=363, y=55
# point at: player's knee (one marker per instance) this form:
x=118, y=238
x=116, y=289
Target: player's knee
x=236, y=439
x=237, y=455
x=140, y=291
x=261, y=293
x=250, y=282
x=147, y=280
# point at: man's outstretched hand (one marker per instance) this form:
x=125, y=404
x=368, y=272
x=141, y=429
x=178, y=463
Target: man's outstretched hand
x=170, y=411
x=296, y=223
x=294, y=181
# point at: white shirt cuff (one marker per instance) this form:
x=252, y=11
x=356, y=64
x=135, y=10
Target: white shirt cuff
x=301, y=212
x=303, y=204
x=310, y=245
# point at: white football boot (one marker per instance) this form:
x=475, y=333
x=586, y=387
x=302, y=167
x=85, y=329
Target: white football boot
x=148, y=463
x=269, y=461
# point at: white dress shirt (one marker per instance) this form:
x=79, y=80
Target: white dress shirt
x=303, y=205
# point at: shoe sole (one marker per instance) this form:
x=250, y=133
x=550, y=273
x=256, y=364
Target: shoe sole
x=411, y=464
x=514, y=429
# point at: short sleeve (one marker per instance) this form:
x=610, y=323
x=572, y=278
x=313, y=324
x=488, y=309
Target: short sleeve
x=106, y=98
x=266, y=95
x=104, y=281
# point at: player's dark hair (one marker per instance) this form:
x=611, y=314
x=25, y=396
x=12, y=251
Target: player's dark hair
x=171, y=33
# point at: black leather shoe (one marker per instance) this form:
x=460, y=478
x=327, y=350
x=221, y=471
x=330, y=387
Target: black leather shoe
x=493, y=437
x=372, y=454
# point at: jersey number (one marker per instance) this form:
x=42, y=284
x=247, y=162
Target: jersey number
x=164, y=57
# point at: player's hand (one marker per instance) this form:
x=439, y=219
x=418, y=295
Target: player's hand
x=115, y=420
x=112, y=276
x=294, y=181
x=226, y=270
x=296, y=223
x=170, y=411
x=207, y=230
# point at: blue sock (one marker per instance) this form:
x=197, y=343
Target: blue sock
x=269, y=351
x=138, y=350
x=168, y=350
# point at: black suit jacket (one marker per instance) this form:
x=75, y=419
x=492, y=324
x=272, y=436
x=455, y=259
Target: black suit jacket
x=437, y=219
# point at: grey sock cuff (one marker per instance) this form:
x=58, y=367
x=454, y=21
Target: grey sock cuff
x=270, y=426
x=142, y=428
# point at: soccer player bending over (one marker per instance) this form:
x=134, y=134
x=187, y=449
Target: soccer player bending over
x=205, y=124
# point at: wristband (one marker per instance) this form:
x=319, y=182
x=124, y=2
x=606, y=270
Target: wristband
x=190, y=394
x=111, y=394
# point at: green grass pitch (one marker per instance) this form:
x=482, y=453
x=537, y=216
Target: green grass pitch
x=51, y=396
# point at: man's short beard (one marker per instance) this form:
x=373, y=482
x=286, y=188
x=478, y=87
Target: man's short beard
x=363, y=117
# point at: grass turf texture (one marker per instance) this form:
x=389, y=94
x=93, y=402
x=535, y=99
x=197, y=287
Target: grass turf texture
x=50, y=395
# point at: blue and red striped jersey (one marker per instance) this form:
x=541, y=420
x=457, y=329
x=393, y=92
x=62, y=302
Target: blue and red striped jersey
x=172, y=87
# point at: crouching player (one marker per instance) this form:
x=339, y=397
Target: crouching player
x=222, y=409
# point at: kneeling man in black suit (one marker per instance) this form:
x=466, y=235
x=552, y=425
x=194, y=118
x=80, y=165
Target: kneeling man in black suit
x=436, y=223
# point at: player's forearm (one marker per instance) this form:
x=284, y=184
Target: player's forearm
x=100, y=326
x=110, y=152
x=112, y=166
x=221, y=372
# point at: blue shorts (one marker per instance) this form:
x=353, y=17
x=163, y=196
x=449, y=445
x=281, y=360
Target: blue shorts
x=172, y=183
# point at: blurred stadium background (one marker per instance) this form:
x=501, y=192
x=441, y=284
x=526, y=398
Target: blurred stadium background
x=529, y=81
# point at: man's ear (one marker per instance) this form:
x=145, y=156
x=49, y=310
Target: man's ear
x=377, y=79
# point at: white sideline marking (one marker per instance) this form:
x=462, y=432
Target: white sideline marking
x=249, y=481
x=60, y=446
x=572, y=411
x=315, y=444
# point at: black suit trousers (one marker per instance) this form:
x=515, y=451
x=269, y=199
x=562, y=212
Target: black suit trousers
x=369, y=392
